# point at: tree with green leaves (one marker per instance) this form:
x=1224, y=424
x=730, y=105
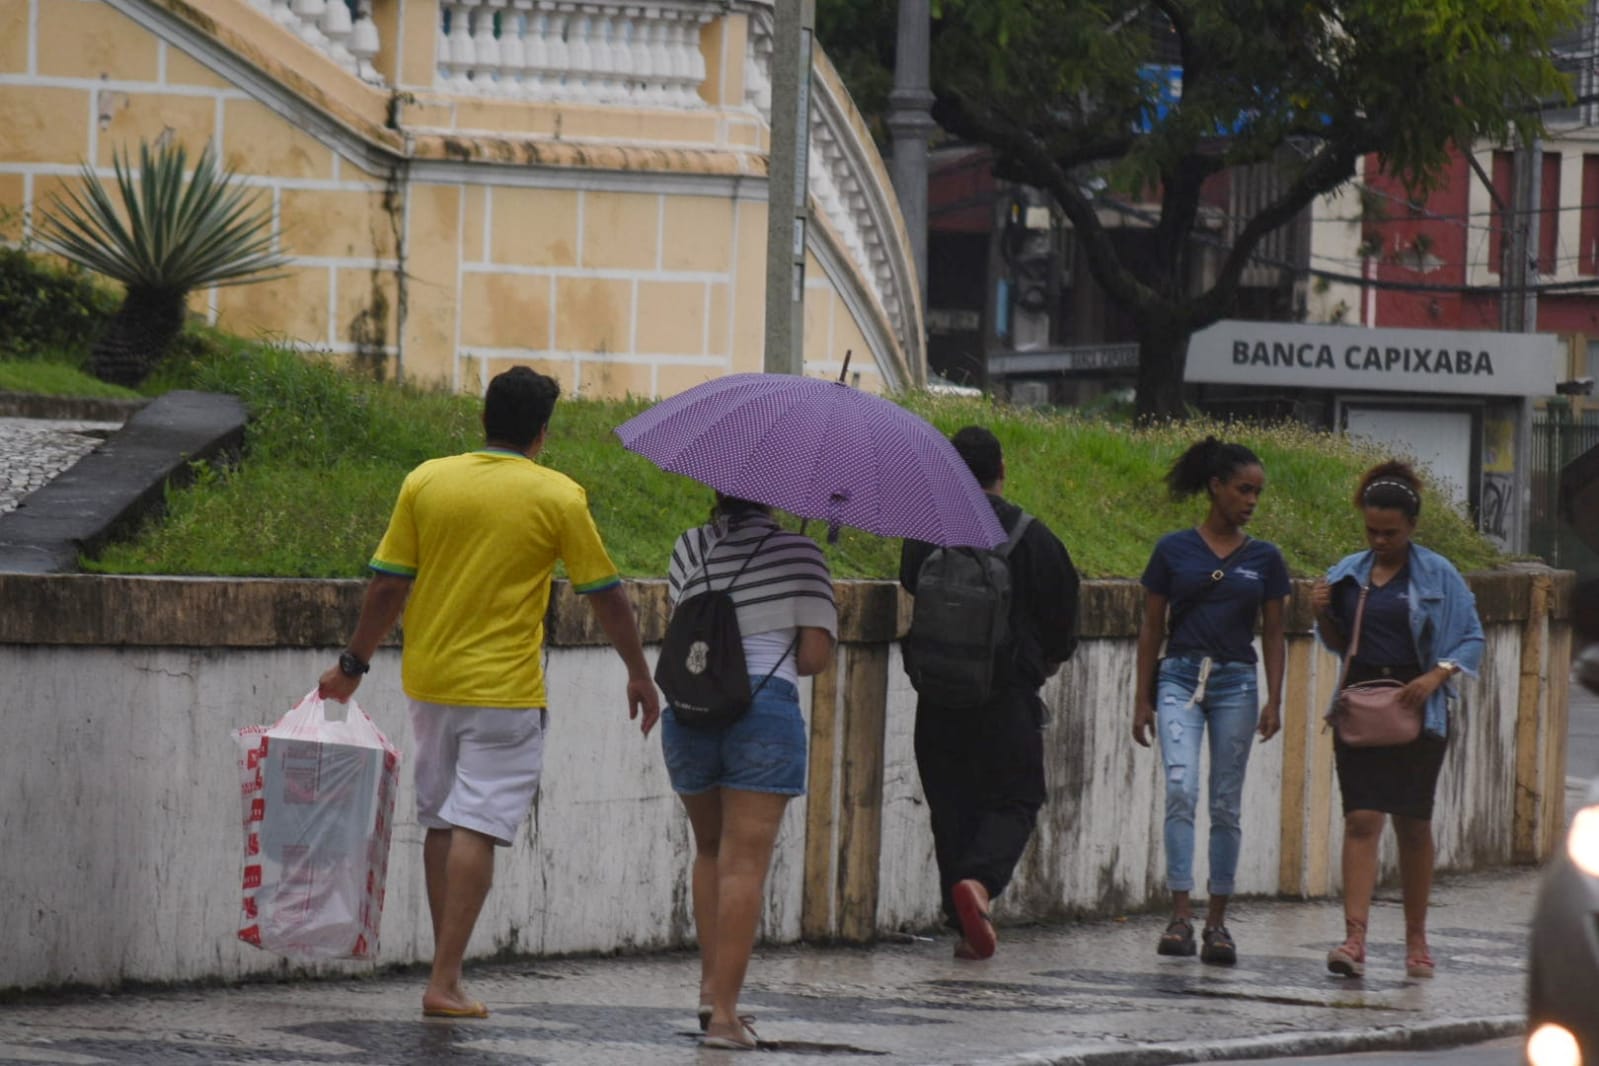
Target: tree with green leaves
x=162, y=236
x=1081, y=98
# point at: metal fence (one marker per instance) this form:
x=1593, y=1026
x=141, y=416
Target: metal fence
x=1558, y=438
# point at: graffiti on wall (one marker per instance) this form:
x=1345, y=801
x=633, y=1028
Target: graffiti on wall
x=1498, y=514
x=1498, y=503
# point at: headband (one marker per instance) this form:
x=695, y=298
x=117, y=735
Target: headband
x=1385, y=483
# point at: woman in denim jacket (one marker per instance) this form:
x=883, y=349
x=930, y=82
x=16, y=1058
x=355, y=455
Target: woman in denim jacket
x=1420, y=627
x=1213, y=582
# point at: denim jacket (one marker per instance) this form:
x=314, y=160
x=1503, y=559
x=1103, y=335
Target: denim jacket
x=1443, y=619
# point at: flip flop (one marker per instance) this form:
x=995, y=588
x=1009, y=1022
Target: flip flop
x=746, y=1040
x=476, y=1010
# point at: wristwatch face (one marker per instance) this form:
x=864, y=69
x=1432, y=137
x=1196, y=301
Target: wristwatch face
x=350, y=666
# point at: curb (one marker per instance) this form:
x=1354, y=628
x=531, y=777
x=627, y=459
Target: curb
x=1424, y=1036
x=68, y=408
x=119, y=483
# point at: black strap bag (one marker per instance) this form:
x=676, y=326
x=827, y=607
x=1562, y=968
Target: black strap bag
x=701, y=668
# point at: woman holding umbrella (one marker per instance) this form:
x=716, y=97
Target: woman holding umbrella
x=736, y=779
x=821, y=451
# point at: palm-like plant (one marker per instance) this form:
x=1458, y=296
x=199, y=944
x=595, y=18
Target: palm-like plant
x=170, y=234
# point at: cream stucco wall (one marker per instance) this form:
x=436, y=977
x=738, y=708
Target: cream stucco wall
x=618, y=248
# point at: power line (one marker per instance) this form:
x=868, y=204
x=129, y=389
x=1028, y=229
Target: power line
x=1389, y=284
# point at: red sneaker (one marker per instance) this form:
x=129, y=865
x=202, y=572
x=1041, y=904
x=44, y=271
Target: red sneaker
x=971, y=907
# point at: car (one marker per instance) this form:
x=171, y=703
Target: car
x=1563, y=970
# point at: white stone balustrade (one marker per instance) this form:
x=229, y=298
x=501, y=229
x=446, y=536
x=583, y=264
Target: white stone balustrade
x=858, y=207
x=574, y=52
x=351, y=39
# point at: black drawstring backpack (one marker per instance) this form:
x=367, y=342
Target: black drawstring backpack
x=701, y=668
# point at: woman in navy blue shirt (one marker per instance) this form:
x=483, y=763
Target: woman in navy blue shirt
x=1213, y=581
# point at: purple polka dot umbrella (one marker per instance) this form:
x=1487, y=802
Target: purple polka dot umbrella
x=820, y=450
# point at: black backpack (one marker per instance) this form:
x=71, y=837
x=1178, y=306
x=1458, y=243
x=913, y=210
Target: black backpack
x=701, y=668
x=960, y=622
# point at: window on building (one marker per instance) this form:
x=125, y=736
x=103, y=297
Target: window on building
x=1546, y=224
x=1588, y=226
x=1504, y=178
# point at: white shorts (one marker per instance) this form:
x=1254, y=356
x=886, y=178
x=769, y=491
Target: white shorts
x=477, y=767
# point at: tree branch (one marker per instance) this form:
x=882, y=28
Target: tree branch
x=1184, y=25
x=1011, y=141
x=1331, y=168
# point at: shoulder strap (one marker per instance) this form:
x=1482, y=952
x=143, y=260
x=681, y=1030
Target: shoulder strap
x=791, y=644
x=1216, y=577
x=746, y=565
x=1354, y=635
x=1015, y=538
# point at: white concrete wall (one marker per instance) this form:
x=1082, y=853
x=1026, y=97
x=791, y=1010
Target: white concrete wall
x=120, y=845
x=1100, y=844
x=120, y=839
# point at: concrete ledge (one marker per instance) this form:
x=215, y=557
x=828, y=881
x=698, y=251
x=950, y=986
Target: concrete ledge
x=1423, y=1036
x=43, y=605
x=67, y=408
x=120, y=482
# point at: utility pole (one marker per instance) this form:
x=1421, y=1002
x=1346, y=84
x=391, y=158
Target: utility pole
x=1518, y=272
x=1523, y=244
x=787, y=198
x=910, y=124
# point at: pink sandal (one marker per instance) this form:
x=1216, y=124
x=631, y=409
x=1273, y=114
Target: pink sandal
x=1419, y=965
x=1348, y=959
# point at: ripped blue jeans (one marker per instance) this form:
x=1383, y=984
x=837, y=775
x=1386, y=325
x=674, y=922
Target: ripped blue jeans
x=1189, y=701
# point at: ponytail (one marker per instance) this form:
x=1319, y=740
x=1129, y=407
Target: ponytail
x=1209, y=458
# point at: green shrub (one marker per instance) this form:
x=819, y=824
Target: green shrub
x=47, y=310
x=167, y=231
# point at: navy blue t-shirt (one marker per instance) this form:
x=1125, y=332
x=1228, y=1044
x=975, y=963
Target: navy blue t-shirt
x=1221, y=624
x=1385, y=638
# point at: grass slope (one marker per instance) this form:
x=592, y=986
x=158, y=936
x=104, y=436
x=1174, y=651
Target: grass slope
x=327, y=452
x=47, y=378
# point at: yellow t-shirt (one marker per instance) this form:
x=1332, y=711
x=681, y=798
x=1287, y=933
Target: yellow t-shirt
x=480, y=534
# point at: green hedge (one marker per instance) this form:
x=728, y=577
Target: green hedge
x=47, y=310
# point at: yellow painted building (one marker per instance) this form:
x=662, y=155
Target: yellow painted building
x=467, y=184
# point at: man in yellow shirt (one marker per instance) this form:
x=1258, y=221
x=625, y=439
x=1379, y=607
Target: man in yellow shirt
x=468, y=557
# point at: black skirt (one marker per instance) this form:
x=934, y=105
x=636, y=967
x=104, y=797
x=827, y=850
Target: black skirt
x=1398, y=780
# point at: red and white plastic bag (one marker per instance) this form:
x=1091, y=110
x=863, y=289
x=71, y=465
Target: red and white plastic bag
x=318, y=804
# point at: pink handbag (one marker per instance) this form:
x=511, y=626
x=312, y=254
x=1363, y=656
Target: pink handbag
x=1370, y=714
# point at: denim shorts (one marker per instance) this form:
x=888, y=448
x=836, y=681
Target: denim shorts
x=763, y=751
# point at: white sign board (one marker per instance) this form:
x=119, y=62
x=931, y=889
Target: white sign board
x=1440, y=439
x=1284, y=355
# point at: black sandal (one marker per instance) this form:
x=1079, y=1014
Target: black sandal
x=1219, y=947
x=1178, y=938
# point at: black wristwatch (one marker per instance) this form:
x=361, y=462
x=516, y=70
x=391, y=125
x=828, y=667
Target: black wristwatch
x=350, y=664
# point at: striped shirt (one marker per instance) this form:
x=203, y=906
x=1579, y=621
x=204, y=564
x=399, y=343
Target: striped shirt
x=786, y=585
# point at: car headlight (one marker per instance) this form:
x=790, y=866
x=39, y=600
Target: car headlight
x=1550, y=1045
x=1582, y=843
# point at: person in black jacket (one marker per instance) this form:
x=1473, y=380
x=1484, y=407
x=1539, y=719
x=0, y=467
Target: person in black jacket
x=982, y=768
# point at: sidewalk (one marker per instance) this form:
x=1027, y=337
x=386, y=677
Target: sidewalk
x=1094, y=992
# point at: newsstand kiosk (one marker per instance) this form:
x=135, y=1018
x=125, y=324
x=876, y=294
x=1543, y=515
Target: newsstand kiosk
x=1461, y=402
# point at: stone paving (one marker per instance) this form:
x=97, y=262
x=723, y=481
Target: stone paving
x=1092, y=992
x=35, y=450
